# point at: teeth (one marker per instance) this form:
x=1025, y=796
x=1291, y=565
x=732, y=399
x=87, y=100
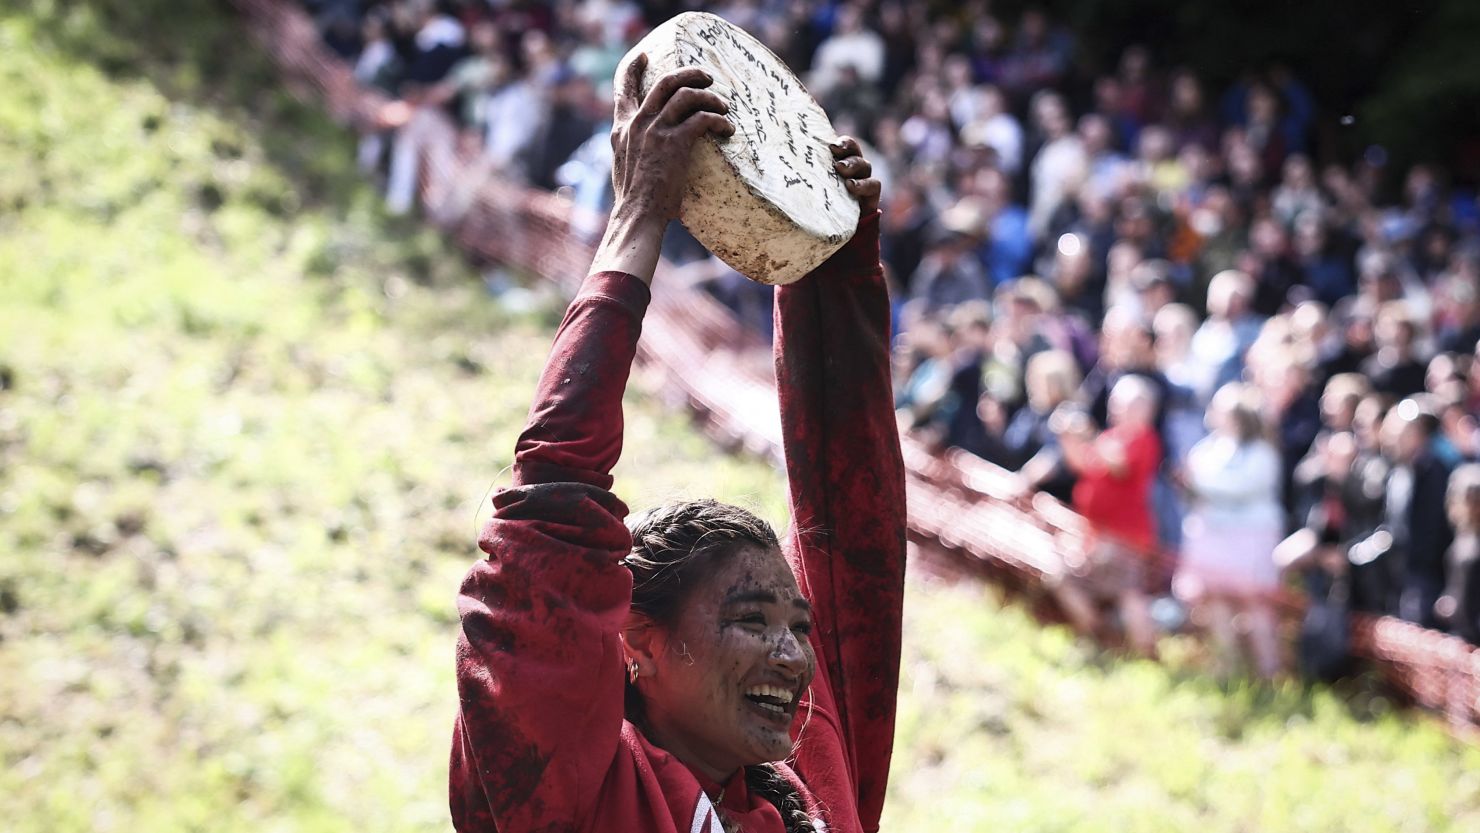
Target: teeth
x=785, y=696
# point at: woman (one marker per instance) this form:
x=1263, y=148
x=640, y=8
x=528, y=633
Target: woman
x=1030, y=446
x=654, y=678
x=1233, y=524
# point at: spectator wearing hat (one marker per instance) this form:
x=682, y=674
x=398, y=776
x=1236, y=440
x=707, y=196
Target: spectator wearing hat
x=950, y=273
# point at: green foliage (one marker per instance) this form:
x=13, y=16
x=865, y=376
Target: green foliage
x=247, y=426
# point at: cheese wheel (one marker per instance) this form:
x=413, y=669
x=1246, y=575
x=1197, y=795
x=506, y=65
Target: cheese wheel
x=767, y=200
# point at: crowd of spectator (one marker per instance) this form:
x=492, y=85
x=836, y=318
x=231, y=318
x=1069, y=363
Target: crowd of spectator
x=1146, y=296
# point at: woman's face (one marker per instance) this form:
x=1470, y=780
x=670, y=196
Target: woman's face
x=729, y=673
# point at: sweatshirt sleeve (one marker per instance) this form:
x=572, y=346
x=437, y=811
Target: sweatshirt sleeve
x=847, y=544
x=539, y=663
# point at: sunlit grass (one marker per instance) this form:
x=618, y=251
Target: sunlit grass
x=1005, y=723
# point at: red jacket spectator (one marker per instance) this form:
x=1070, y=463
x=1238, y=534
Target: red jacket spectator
x=1114, y=488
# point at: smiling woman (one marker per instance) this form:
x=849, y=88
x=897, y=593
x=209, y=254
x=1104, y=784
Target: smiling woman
x=689, y=671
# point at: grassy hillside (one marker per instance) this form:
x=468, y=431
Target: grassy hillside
x=1007, y=726
x=247, y=428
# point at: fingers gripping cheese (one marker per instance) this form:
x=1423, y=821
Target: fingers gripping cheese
x=766, y=200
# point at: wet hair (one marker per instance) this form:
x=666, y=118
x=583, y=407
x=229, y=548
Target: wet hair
x=674, y=549
x=674, y=545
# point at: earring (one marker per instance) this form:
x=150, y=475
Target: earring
x=632, y=671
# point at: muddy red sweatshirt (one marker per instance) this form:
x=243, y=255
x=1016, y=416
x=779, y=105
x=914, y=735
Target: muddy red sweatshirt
x=540, y=743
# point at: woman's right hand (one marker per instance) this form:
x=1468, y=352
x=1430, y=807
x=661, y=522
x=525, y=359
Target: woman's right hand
x=652, y=138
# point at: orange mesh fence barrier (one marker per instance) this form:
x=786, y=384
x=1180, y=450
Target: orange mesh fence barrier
x=708, y=362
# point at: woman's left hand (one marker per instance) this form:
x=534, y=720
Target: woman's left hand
x=856, y=172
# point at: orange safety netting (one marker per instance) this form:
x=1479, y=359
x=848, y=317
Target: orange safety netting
x=959, y=505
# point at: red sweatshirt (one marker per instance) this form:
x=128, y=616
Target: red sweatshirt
x=540, y=742
x=1118, y=505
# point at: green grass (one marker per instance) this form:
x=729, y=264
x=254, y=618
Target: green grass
x=1004, y=724
x=251, y=427
x=247, y=431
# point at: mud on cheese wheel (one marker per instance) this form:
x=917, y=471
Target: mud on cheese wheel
x=766, y=200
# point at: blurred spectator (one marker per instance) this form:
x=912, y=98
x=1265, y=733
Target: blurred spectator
x=1459, y=607
x=1106, y=167
x=516, y=114
x=1219, y=345
x=573, y=111
x=1318, y=552
x=852, y=44
x=1187, y=113
x=1173, y=327
x=1115, y=470
x=1414, y=515
x=950, y=272
x=1395, y=368
x=1008, y=248
x=991, y=125
x=971, y=325
x=905, y=229
x=1028, y=445
x=436, y=43
x=924, y=398
x=1459, y=327
x=1126, y=350
x=1296, y=196
x=378, y=65
x=1233, y=524
x=1039, y=56
x=1060, y=165
x=854, y=100
x=1325, y=270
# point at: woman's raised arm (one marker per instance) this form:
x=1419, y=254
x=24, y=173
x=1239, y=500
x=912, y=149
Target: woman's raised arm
x=539, y=663
x=848, y=505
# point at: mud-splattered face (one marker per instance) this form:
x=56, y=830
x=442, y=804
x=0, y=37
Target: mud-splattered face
x=730, y=671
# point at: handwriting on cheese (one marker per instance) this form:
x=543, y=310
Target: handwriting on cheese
x=769, y=117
